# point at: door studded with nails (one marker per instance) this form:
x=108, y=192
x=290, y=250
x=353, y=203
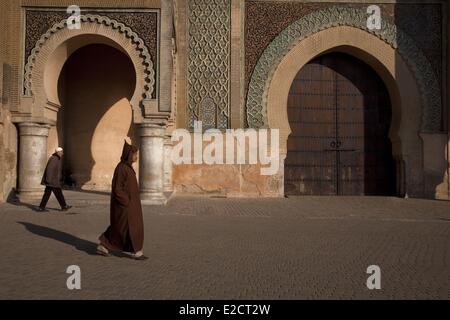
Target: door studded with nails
x=340, y=113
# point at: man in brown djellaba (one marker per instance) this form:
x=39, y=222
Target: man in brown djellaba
x=126, y=230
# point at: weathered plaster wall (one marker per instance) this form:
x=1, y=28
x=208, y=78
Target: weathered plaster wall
x=444, y=191
x=8, y=131
x=246, y=46
x=8, y=156
x=219, y=178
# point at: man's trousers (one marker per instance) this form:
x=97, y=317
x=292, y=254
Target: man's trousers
x=58, y=194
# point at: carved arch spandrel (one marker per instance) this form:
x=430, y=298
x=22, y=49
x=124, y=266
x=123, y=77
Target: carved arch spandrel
x=125, y=38
x=256, y=104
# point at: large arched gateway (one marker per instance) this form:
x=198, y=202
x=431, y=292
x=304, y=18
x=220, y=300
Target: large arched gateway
x=87, y=89
x=145, y=68
x=400, y=81
x=339, y=112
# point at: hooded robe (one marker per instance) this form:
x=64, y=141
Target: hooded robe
x=126, y=232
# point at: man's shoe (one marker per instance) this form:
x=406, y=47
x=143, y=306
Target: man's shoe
x=101, y=250
x=40, y=209
x=140, y=256
x=66, y=208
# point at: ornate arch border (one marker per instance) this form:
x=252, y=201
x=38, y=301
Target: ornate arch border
x=141, y=52
x=256, y=105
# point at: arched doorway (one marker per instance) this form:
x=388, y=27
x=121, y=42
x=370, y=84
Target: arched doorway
x=95, y=87
x=339, y=111
x=41, y=98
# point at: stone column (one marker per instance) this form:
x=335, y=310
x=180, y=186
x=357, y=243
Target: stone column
x=151, y=164
x=3, y=194
x=32, y=159
x=168, y=185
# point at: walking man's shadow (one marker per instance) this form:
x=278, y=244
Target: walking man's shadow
x=80, y=244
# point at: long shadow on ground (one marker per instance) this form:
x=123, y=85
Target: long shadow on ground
x=80, y=244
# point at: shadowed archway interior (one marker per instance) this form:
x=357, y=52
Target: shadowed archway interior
x=95, y=88
x=339, y=112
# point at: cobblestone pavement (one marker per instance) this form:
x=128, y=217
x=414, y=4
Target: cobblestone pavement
x=215, y=248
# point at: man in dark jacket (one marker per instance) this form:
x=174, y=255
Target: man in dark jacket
x=52, y=181
x=126, y=230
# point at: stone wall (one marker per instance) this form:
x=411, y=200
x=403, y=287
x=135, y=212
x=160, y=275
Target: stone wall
x=445, y=193
x=8, y=133
x=249, y=27
x=225, y=180
x=242, y=178
x=12, y=57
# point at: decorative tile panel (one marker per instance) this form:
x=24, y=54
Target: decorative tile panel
x=208, y=63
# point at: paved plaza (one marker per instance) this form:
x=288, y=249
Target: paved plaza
x=217, y=248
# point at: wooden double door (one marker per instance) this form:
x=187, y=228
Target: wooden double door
x=340, y=113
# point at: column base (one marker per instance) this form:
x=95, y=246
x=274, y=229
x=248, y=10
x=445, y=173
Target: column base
x=30, y=195
x=150, y=198
x=168, y=188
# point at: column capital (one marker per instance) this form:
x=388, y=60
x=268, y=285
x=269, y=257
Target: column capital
x=33, y=129
x=149, y=129
x=167, y=140
x=152, y=125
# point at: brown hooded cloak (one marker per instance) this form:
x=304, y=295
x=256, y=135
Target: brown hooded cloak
x=126, y=232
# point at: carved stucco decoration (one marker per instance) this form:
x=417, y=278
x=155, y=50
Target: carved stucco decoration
x=137, y=42
x=256, y=108
x=208, y=65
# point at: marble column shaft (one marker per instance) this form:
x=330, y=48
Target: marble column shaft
x=151, y=164
x=32, y=158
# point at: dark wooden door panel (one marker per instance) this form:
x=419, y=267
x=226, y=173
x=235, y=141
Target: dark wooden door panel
x=339, y=112
x=311, y=111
